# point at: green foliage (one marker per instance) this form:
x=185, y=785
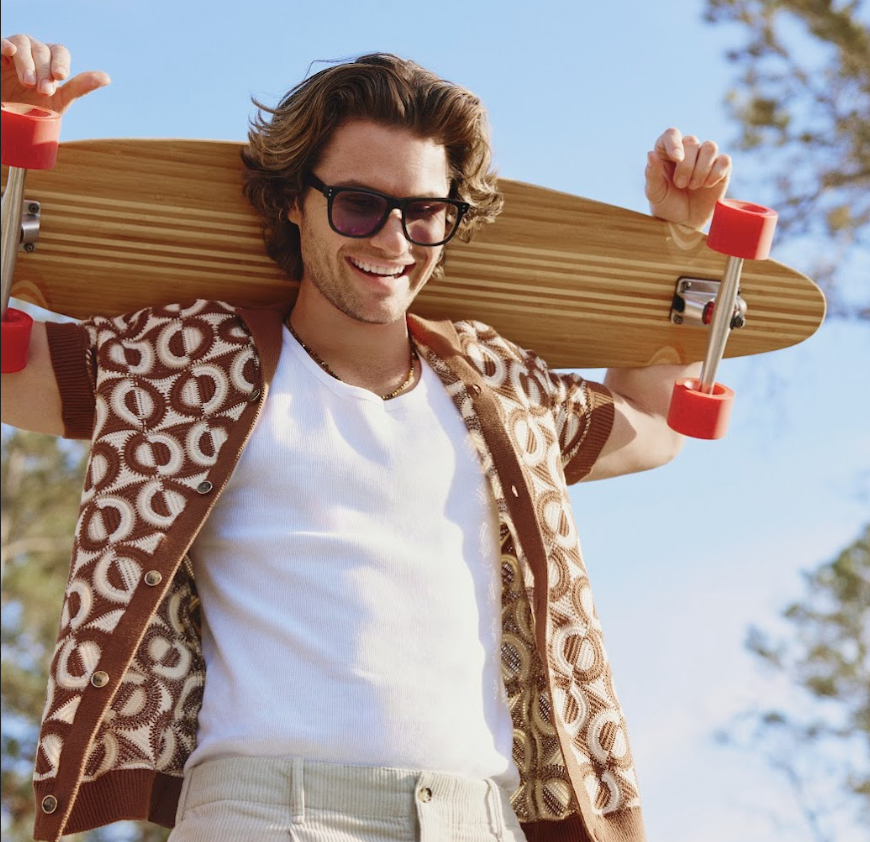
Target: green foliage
x=41, y=485
x=802, y=101
x=819, y=738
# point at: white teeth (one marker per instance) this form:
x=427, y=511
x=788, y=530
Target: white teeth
x=385, y=271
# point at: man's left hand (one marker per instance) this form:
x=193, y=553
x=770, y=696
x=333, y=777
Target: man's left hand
x=685, y=178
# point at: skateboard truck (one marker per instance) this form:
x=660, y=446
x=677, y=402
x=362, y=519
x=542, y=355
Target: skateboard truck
x=30, y=139
x=694, y=300
x=743, y=231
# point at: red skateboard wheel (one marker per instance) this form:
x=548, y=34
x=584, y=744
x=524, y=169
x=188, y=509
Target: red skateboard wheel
x=697, y=414
x=741, y=229
x=30, y=136
x=14, y=340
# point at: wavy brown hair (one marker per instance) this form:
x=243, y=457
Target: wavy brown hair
x=285, y=143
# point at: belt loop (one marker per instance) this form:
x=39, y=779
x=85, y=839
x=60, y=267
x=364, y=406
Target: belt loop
x=494, y=808
x=297, y=790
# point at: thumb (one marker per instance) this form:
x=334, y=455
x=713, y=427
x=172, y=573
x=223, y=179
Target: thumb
x=81, y=85
x=657, y=181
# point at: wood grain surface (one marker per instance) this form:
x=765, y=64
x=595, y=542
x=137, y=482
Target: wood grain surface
x=129, y=223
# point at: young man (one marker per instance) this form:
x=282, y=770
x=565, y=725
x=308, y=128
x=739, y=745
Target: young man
x=371, y=510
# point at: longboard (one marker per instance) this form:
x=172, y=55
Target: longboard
x=125, y=224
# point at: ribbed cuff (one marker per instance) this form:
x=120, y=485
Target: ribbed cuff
x=67, y=345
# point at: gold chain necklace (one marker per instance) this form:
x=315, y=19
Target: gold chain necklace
x=322, y=363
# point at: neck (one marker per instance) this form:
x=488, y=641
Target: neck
x=346, y=339
x=372, y=356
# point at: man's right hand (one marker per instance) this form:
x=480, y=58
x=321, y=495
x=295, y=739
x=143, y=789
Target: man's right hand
x=33, y=73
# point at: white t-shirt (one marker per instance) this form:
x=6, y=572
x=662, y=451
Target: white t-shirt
x=350, y=579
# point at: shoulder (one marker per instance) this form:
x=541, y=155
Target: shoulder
x=185, y=311
x=486, y=347
x=176, y=335
x=199, y=317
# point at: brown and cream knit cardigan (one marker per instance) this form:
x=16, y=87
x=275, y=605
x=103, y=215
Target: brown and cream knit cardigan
x=169, y=397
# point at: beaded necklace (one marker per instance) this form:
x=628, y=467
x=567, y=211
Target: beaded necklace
x=322, y=363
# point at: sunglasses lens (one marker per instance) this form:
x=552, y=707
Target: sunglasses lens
x=357, y=214
x=429, y=222
x=360, y=213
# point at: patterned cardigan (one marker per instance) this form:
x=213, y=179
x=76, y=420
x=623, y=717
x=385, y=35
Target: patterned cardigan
x=169, y=397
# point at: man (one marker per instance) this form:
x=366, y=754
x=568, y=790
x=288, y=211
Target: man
x=396, y=622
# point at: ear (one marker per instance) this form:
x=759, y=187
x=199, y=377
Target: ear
x=293, y=213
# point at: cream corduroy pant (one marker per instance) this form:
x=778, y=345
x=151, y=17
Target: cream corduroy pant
x=246, y=799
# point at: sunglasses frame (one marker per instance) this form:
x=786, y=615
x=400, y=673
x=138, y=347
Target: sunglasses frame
x=330, y=192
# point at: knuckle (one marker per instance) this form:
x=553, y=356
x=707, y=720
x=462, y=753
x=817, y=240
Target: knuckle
x=709, y=147
x=37, y=48
x=26, y=41
x=21, y=44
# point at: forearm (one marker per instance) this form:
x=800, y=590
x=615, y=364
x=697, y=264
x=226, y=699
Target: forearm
x=30, y=397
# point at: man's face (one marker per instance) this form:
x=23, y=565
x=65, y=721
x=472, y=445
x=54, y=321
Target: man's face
x=374, y=279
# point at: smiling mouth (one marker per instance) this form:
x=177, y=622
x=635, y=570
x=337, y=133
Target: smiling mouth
x=378, y=271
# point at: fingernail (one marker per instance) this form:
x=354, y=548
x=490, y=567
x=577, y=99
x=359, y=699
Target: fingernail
x=681, y=182
x=29, y=77
x=46, y=87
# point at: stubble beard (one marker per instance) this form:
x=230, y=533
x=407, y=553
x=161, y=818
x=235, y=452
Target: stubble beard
x=348, y=302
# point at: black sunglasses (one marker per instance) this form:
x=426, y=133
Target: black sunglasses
x=359, y=212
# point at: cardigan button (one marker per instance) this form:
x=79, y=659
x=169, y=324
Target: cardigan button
x=153, y=577
x=475, y=389
x=425, y=795
x=100, y=679
x=204, y=487
x=514, y=491
x=254, y=395
x=49, y=804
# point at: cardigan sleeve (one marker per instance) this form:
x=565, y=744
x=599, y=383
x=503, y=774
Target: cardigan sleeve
x=584, y=413
x=581, y=411
x=72, y=359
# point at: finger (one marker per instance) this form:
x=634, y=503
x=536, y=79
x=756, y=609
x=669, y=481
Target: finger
x=707, y=153
x=83, y=84
x=60, y=62
x=41, y=54
x=685, y=167
x=669, y=146
x=7, y=48
x=23, y=59
x=720, y=171
x=656, y=187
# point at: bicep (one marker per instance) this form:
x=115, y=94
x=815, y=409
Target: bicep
x=639, y=441
x=641, y=438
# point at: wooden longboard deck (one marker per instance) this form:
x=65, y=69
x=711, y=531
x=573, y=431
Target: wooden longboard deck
x=126, y=224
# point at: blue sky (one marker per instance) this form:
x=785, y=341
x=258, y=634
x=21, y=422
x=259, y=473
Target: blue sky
x=682, y=559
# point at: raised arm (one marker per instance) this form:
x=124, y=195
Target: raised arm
x=34, y=73
x=684, y=179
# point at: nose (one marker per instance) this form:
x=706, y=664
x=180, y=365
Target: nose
x=391, y=237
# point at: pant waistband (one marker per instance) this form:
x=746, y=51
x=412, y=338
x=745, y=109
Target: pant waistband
x=375, y=792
